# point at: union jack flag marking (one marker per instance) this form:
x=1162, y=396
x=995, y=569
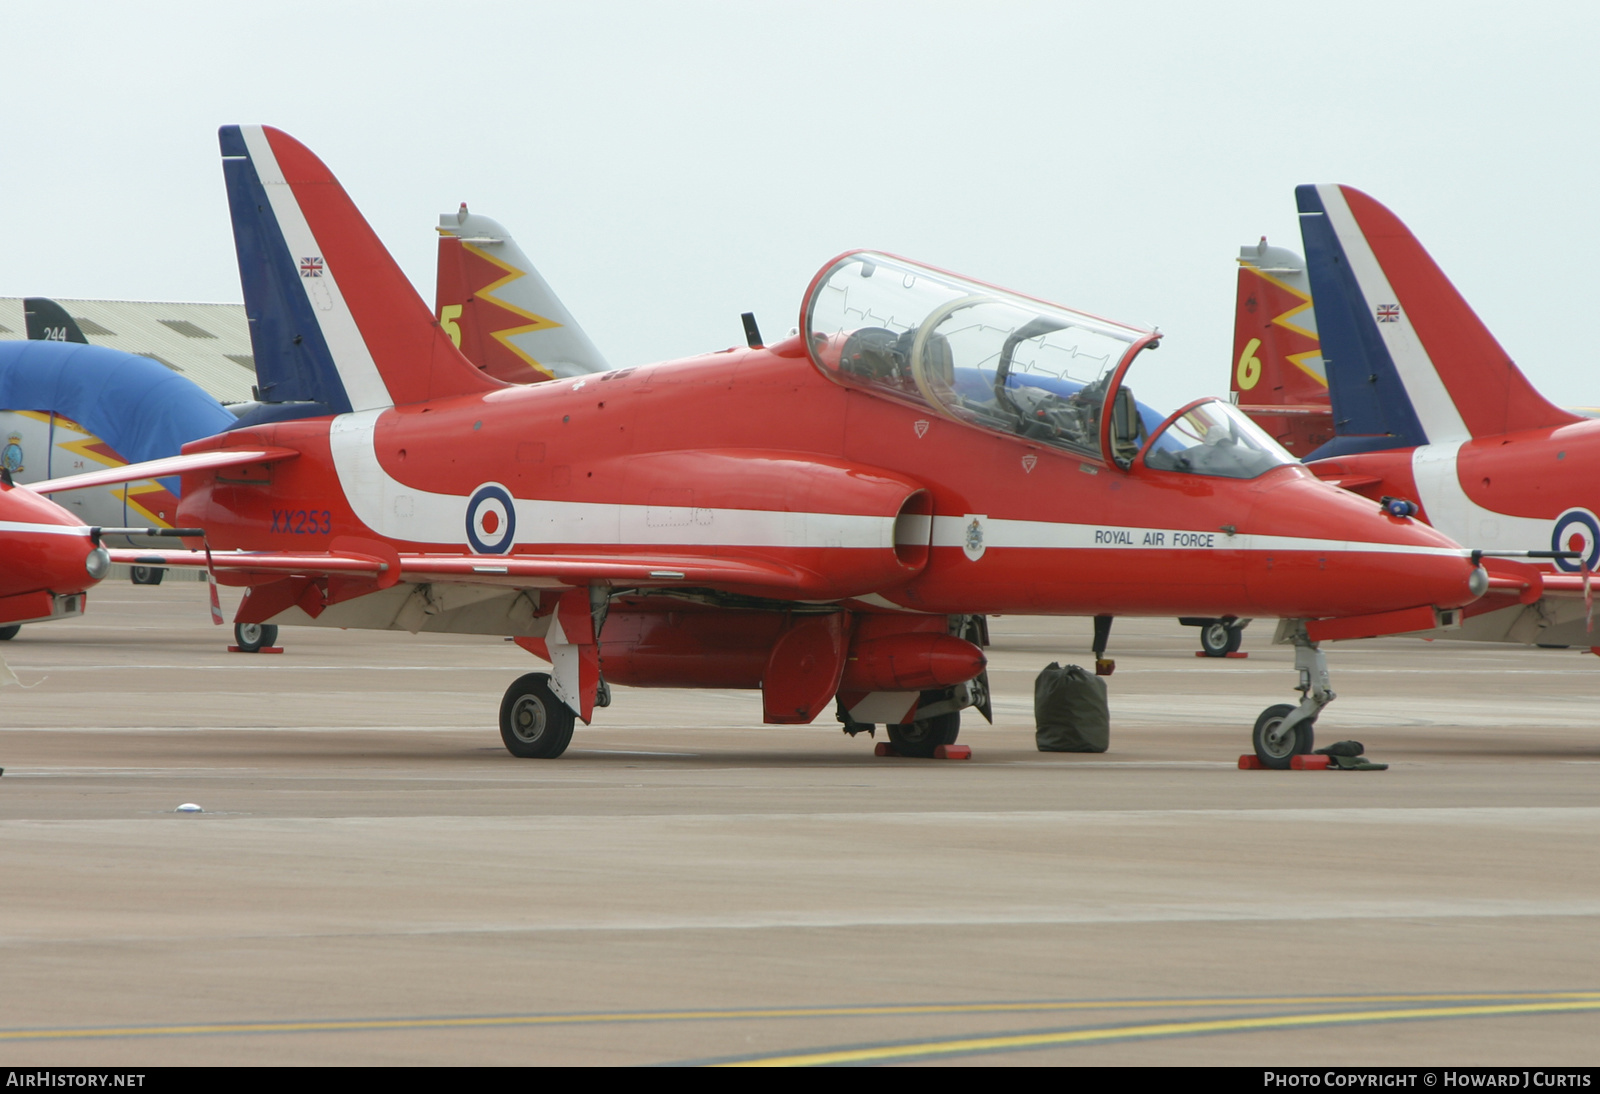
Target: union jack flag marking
x=311, y=267
x=1388, y=313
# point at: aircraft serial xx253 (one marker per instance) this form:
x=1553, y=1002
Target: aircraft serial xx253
x=828, y=518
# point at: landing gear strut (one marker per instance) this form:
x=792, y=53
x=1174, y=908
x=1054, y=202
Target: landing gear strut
x=1103, y=665
x=1285, y=731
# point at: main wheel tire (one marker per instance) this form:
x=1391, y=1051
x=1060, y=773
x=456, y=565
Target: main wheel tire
x=254, y=637
x=8, y=633
x=1298, y=743
x=1235, y=639
x=922, y=737
x=1214, y=638
x=534, y=723
x=147, y=575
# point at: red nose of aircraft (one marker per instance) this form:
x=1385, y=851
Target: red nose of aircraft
x=1341, y=555
x=43, y=548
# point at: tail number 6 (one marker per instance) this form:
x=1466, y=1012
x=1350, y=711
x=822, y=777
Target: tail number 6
x=1249, y=370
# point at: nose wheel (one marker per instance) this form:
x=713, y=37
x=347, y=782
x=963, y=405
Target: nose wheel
x=1284, y=731
x=1273, y=743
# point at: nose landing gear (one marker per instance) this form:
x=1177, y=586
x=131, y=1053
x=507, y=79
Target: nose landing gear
x=1285, y=731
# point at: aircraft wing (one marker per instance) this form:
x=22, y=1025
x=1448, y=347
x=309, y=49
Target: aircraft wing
x=495, y=570
x=171, y=465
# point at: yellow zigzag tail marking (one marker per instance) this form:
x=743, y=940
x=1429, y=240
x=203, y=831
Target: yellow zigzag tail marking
x=504, y=337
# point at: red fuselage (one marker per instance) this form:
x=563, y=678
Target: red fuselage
x=654, y=459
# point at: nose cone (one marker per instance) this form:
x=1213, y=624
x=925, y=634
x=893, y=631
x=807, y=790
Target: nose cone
x=44, y=548
x=1328, y=552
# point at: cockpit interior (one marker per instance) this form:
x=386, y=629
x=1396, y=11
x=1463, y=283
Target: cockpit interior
x=1011, y=364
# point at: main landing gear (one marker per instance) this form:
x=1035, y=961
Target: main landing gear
x=1284, y=731
x=534, y=723
x=1218, y=637
x=939, y=721
x=921, y=737
x=255, y=637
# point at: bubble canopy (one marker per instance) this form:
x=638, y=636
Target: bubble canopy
x=976, y=353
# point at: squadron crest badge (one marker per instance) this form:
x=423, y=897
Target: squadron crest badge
x=972, y=540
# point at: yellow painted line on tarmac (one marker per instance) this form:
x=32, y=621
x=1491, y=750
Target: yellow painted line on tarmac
x=1013, y=1042
x=1579, y=1000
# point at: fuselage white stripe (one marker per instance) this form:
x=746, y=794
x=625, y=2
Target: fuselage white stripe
x=362, y=382
x=47, y=529
x=952, y=532
x=1433, y=467
x=1436, y=410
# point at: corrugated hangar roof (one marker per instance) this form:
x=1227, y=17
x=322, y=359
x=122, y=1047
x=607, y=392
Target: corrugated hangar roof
x=206, y=343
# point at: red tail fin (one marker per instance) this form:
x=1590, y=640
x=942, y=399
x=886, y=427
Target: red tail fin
x=313, y=268
x=501, y=313
x=1278, y=377
x=1472, y=376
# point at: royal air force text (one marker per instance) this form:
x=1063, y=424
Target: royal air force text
x=1123, y=537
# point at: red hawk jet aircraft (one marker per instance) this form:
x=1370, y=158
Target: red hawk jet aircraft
x=826, y=519
x=1392, y=386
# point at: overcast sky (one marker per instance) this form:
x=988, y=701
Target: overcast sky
x=669, y=165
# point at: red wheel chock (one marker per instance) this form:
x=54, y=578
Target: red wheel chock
x=1312, y=762
x=940, y=752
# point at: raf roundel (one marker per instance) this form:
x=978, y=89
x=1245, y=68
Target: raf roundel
x=1577, y=530
x=491, y=520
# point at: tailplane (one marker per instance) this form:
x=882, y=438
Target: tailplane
x=333, y=320
x=499, y=312
x=1278, y=376
x=1408, y=361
